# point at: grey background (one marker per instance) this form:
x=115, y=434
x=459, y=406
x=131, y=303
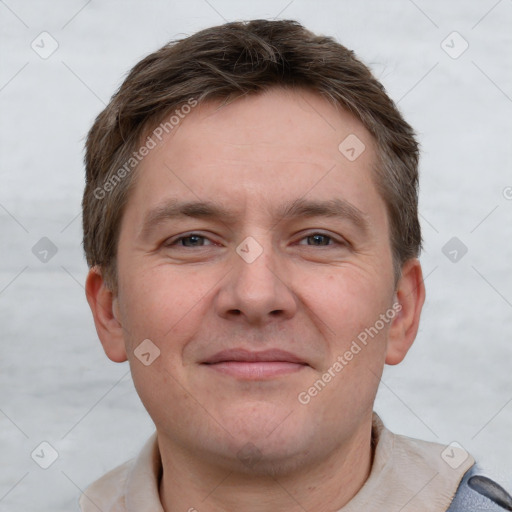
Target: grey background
x=56, y=384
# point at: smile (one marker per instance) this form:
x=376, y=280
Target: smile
x=251, y=365
x=256, y=370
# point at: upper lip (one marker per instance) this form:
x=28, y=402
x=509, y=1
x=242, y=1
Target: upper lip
x=240, y=354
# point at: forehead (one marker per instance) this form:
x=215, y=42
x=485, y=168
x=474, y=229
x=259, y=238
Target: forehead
x=296, y=123
x=260, y=150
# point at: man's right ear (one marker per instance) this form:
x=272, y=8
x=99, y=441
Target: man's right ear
x=104, y=309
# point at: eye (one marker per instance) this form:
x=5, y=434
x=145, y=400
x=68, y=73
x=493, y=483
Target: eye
x=319, y=240
x=190, y=240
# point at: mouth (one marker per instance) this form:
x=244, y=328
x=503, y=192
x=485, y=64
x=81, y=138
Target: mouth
x=248, y=365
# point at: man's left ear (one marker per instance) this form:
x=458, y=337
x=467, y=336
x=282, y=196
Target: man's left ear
x=410, y=294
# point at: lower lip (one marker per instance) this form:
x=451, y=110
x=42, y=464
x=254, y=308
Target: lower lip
x=255, y=370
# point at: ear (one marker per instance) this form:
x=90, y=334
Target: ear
x=105, y=311
x=410, y=294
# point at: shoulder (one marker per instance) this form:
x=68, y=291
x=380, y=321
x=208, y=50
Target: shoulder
x=458, y=476
x=453, y=481
x=107, y=492
x=449, y=462
x=130, y=486
x=412, y=474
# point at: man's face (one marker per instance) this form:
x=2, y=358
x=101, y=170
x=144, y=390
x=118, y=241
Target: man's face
x=304, y=282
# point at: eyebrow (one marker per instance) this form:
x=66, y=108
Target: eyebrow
x=299, y=208
x=337, y=207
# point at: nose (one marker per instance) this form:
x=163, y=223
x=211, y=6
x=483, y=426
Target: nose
x=256, y=290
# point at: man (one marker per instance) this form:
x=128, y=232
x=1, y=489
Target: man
x=250, y=221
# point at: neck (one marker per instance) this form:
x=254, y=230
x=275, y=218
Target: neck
x=190, y=484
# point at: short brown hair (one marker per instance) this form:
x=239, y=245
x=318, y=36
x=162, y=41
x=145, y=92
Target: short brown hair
x=224, y=63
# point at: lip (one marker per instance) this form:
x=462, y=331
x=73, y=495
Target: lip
x=240, y=354
x=251, y=365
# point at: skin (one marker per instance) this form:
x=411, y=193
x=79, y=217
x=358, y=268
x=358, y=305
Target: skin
x=195, y=297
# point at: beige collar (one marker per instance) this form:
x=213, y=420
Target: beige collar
x=407, y=475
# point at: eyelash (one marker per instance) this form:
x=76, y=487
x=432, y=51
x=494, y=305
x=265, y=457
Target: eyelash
x=315, y=233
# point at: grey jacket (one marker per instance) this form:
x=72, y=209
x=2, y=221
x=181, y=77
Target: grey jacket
x=477, y=493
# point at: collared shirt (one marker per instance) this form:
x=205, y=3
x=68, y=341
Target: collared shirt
x=407, y=474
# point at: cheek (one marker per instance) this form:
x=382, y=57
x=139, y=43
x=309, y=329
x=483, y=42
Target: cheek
x=159, y=389
x=349, y=312
x=347, y=300
x=166, y=305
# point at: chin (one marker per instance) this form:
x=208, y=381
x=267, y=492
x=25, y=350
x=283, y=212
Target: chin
x=274, y=466
x=260, y=446
x=264, y=456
